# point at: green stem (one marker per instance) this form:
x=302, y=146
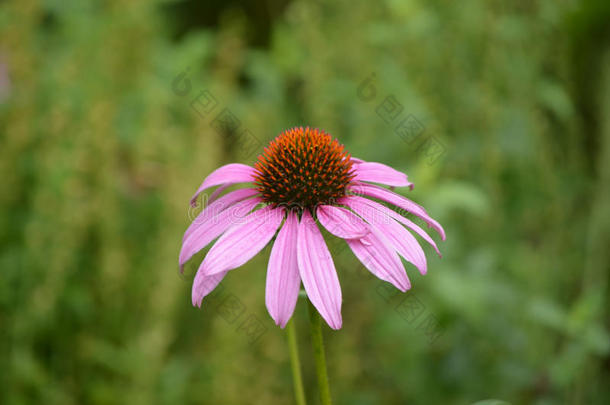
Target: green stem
x=295, y=363
x=318, y=350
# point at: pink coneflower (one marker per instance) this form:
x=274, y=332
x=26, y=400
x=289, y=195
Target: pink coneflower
x=305, y=176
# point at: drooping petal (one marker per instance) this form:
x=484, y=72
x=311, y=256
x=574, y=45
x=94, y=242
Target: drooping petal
x=213, y=227
x=341, y=222
x=379, y=173
x=232, y=173
x=318, y=272
x=283, y=280
x=398, y=200
x=214, y=196
x=216, y=207
x=203, y=285
x=376, y=253
x=242, y=242
x=391, y=213
x=400, y=238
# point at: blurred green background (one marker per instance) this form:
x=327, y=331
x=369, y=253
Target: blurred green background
x=103, y=143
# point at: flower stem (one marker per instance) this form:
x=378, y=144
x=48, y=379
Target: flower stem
x=317, y=342
x=295, y=363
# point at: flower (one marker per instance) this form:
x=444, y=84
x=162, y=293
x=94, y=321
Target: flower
x=304, y=175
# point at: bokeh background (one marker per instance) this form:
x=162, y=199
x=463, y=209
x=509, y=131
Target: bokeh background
x=112, y=113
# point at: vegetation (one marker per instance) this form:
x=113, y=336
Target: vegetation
x=112, y=113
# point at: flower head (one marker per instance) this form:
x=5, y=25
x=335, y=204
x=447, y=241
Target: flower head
x=305, y=177
x=303, y=168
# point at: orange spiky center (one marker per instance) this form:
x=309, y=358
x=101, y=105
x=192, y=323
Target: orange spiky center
x=303, y=168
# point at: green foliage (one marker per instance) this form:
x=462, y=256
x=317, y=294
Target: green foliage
x=101, y=149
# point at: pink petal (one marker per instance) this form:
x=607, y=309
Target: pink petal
x=216, y=207
x=380, y=173
x=231, y=173
x=318, y=272
x=214, y=196
x=411, y=225
x=401, y=239
x=356, y=160
x=203, y=285
x=242, y=242
x=213, y=227
x=398, y=200
x=283, y=280
x=341, y=222
x=376, y=253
